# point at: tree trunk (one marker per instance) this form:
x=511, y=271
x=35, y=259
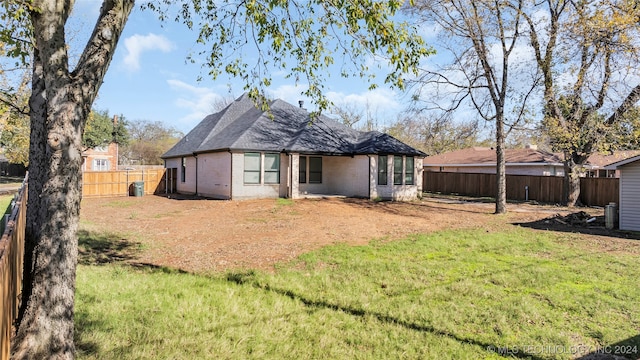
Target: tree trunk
x=501, y=177
x=571, y=184
x=46, y=318
x=59, y=103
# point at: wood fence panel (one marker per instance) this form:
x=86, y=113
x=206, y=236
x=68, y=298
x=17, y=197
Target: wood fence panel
x=544, y=189
x=120, y=183
x=599, y=191
x=11, y=260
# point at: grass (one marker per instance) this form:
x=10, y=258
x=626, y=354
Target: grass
x=5, y=203
x=448, y=295
x=5, y=208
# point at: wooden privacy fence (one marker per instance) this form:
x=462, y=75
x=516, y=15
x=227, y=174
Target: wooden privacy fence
x=121, y=183
x=11, y=259
x=545, y=189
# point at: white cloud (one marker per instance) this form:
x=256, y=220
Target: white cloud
x=290, y=93
x=380, y=100
x=199, y=101
x=137, y=44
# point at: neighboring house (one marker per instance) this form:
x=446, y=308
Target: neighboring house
x=101, y=158
x=629, y=207
x=528, y=161
x=242, y=152
x=599, y=162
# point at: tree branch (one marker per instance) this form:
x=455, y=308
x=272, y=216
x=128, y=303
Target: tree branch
x=101, y=46
x=626, y=105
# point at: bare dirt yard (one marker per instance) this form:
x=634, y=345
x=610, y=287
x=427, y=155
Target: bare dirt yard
x=201, y=235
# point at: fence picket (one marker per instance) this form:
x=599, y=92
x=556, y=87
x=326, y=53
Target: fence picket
x=11, y=260
x=119, y=183
x=544, y=189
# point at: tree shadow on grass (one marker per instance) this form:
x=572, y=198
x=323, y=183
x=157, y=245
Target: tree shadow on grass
x=625, y=349
x=85, y=323
x=553, y=225
x=248, y=278
x=105, y=248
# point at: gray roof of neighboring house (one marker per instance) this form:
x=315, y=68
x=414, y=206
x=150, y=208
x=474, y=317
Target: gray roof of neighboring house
x=242, y=126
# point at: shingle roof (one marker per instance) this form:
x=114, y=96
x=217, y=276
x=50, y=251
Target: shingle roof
x=243, y=127
x=618, y=164
x=487, y=156
x=479, y=156
x=601, y=160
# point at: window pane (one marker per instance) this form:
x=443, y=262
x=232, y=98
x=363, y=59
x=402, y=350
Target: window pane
x=252, y=177
x=252, y=161
x=252, y=168
x=271, y=177
x=397, y=170
x=315, y=170
x=302, y=170
x=382, y=170
x=271, y=162
x=271, y=168
x=408, y=171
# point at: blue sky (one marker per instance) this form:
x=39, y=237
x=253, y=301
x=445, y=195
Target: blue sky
x=149, y=78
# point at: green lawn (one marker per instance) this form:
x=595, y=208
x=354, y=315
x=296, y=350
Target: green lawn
x=449, y=295
x=5, y=208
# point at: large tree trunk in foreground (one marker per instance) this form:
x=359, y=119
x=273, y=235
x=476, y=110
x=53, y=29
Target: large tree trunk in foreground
x=60, y=102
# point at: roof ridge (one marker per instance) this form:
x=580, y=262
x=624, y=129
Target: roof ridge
x=228, y=117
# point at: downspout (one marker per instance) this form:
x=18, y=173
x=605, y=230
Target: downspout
x=230, y=175
x=290, y=190
x=166, y=177
x=196, y=156
x=370, y=157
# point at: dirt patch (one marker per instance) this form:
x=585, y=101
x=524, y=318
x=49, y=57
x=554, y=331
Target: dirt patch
x=201, y=235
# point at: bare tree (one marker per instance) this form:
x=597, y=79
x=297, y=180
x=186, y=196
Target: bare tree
x=587, y=52
x=481, y=36
x=221, y=102
x=348, y=113
x=435, y=134
x=148, y=141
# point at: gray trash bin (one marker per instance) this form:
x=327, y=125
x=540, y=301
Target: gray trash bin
x=611, y=216
x=138, y=188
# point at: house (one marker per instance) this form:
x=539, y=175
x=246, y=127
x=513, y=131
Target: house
x=243, y=152
x=527, y=161
x=629, y=207
x=101, y=158
x=600, y=161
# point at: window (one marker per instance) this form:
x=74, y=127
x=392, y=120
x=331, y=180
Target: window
x=252, y=168
x=397, y=170
x=315, y=170
x=302, y=170
x=100, y=165
x=271, y=168
x=408, y=171
x=382, y=170
x=183, y=170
